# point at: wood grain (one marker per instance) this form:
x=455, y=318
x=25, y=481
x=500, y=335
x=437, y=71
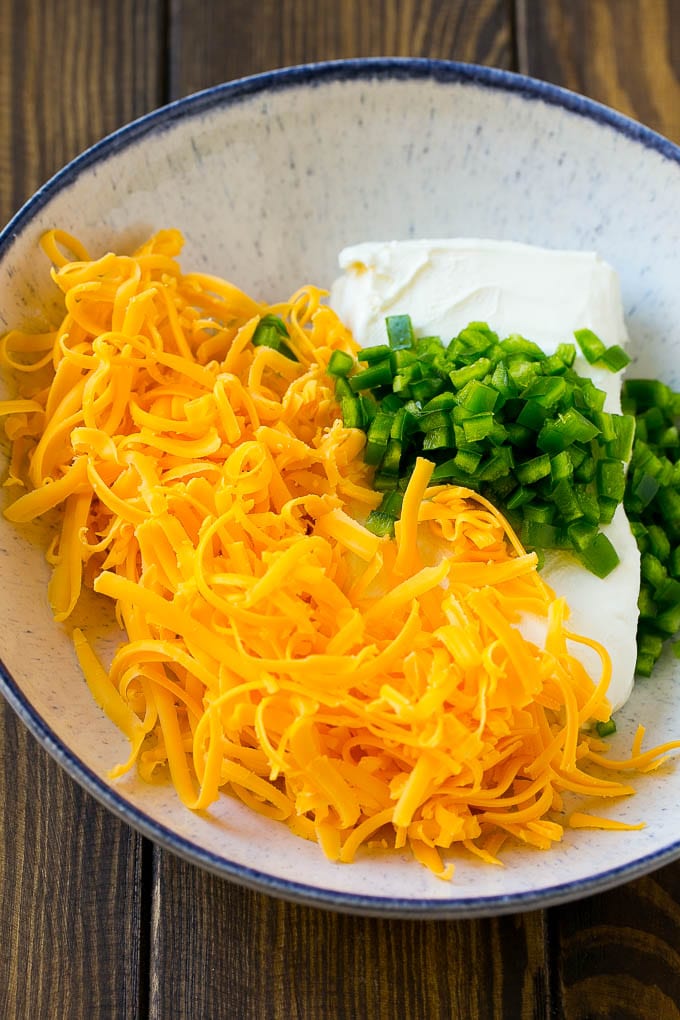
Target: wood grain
x=70, y=73
x=617, y=955
x=254, y=957
x=213, y=41
x=71, y=897
x=625, y=53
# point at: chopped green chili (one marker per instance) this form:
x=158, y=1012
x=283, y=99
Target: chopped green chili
x=271, y=332
x=652, y=502
x=340, y=363
x=501, y=416
x=531, y=434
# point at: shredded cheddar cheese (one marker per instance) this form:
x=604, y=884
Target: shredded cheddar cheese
x=363, y=690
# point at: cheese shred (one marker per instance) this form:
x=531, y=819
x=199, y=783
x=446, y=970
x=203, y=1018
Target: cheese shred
x=366, y=691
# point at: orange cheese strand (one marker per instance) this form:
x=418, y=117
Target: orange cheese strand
x=363, y=690
x=580, y=820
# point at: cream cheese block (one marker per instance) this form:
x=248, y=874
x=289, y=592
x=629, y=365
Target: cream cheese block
x=544, y=295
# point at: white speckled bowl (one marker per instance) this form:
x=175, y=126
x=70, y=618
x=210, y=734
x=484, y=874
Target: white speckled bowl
x=269, y=178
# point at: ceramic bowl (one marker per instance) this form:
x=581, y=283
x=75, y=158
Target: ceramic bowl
x=268, y=178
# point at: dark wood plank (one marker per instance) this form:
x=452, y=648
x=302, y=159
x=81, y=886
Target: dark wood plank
x=70, y=892
x=71, y=896
x=615, y=955
x=619, y=953
x=218, y=41
x=71, y=73
x=625, y=53
x=237, y=953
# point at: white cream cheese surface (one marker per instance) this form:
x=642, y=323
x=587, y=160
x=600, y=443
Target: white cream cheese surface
x=544, y=295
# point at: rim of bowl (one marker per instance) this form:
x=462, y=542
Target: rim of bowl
x=160, y=119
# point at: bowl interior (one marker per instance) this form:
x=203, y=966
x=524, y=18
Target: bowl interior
x=268, y=180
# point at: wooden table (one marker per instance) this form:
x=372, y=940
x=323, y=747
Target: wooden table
x=94, y=920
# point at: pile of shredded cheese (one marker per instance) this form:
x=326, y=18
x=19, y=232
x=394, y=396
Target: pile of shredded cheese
x=362, y=690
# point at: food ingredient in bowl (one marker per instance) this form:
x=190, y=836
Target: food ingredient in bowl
x=363, y=690
x=652, y=502
x=545, y=296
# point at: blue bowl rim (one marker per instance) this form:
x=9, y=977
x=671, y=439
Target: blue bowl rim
x=369, y=68
x=230, y=93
